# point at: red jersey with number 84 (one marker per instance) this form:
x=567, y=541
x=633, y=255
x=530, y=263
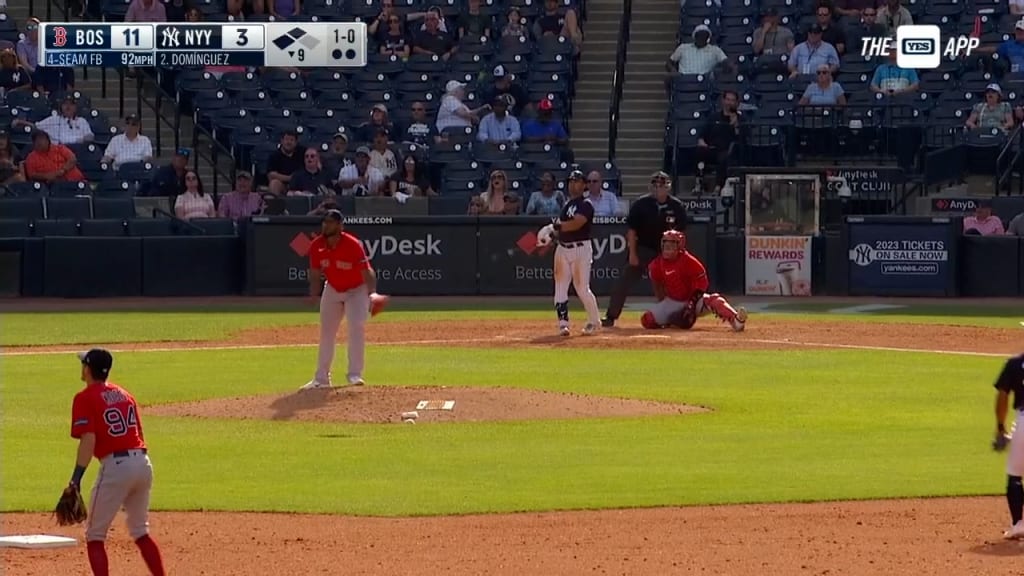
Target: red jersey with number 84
x=681, y=277
x=111, y=413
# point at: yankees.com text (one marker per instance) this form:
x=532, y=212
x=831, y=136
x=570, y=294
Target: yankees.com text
x=784, y=248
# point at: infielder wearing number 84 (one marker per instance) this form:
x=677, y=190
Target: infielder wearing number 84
x=680, y=284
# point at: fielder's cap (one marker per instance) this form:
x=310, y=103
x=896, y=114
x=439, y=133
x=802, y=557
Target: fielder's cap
x=545, y=104
x=993, y=87
x=363, y=150
x=1019, y=25
x=499, y=71
x=453, y=85
x=98, y=360
x=131, y=118
x=576, y=175
x=341, y=135
x=69, y=98
x=701, y=28
x=333, y=214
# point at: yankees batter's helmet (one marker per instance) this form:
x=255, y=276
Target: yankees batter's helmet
x=673, y=243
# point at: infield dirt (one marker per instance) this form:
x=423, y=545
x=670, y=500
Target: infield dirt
x=946, y=536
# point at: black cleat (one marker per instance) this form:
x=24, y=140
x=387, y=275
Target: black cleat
x=607, y=322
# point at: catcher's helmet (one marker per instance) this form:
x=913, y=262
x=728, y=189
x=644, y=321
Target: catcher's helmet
x=673, y=243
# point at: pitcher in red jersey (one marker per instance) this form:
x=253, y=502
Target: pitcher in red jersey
x=106, y=422
x=680, y=286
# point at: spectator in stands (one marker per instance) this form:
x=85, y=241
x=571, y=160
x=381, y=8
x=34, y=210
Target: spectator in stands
x=453, y=113
x=1017, y=7
x=867, y=26
x=823, y=91
x=44, y=78
x=718, y=139
x=433, y=40
x=855, y=8
x=893, y=15
x=284, y=162
x=497, y=200
x=547, y=201
x=378, y=119
x=51, y=162
x=311, y=179
x=436, y=11
x=337, y=155
x=412, y=180
x=605, y=202
x=544, y=128
x=242, y=202
x=193, y=16
x=983, y=222
x=991, y=114
x=556, y=21
x=1016, y=226
x=1011, y=52
x=28, y=47
x=812, y=54
x=514, y=26
x=700, y=57
x=10, y=161
x=67, y=127
x=393, y=40
x=359, y=178
x=130, y=146
x=505, y=84
x=475, y=23
x=146, y=11
x=499, y=127
x=176, y=10
x=420, y=131
x=772, y=38
x=379, y=27
x=12, y=75
x=169, y=180
x=233, y=10
x=283, y=9
x=193, y=202
x=381, y=157
x=830, y=34
x=890, y=79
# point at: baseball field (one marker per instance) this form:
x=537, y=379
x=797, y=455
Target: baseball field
x=831, y=437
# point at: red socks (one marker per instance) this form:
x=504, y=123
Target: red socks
x=151, y=554
x=97, y=558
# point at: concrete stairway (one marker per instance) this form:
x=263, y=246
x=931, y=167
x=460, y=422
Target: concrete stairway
x=589, y=123
x=640, y=145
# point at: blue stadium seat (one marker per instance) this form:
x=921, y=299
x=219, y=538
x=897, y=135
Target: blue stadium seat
x=121, y=208
x=107, y=227
x=68, y=189
x=150, y=227
x=113, y=187
x=15, y=228
x=239, y=82
x=278, y=80
x=68, y=207
x=28, y=208
x=44, y=228
x=194, y=81
x=216, y=226
x=256, y=100
x=26, y=189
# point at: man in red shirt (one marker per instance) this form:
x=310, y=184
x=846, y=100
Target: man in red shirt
x=105, y=421
x=680, y=284
x=350, y=287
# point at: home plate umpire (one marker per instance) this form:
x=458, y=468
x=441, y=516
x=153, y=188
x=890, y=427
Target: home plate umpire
x=649, y=217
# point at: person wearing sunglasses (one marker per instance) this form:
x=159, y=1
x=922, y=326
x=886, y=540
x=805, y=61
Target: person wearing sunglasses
x=393, y=40
x=648, y=219
x=28, y=47
x=823, y=91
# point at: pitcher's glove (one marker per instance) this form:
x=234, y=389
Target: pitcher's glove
x=71, y=507
x=377, y=303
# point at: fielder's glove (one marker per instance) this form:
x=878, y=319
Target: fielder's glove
x=70, y=508
x=377, y=303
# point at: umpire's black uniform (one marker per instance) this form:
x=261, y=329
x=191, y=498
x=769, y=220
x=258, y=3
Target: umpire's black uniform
x=648, y=218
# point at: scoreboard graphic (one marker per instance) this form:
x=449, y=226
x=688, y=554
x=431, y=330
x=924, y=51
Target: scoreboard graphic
x=275, y=44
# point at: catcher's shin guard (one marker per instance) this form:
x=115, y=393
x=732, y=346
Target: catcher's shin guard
x=720, y=306
x=647, y=321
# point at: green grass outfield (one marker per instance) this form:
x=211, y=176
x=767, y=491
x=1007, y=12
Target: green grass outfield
x=786, y=425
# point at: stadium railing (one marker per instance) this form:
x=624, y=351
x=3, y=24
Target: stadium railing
x=619, y=77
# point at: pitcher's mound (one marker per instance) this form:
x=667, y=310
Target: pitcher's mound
x=379, y=404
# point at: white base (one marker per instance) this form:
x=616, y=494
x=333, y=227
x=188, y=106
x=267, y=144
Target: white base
x=35, y=541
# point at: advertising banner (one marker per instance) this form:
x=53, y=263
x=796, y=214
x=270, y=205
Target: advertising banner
x=412, y=255
x=897, y=256
x=778, y=266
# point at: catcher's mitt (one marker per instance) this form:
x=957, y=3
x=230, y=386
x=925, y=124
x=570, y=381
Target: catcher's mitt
x=1001, y=442
x=71, y=507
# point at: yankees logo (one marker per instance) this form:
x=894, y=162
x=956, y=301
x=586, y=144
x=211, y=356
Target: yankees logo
x=60, y=37
x=570, y=212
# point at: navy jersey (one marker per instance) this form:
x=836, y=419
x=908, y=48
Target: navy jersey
x=573, y=207
x=1011, y=379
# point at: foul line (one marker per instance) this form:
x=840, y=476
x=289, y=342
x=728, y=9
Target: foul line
x=500, y=339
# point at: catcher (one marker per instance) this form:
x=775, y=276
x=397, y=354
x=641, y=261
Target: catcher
x=105, y=421
x=1011, y=380
x=680, y=285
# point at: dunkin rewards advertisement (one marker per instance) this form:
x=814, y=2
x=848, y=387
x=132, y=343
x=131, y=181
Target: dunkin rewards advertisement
x=778, y=266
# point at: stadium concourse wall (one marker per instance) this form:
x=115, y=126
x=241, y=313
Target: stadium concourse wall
x=464, y=255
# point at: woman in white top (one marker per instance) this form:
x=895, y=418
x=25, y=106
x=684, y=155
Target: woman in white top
x=193, y=202
x=453, y=113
